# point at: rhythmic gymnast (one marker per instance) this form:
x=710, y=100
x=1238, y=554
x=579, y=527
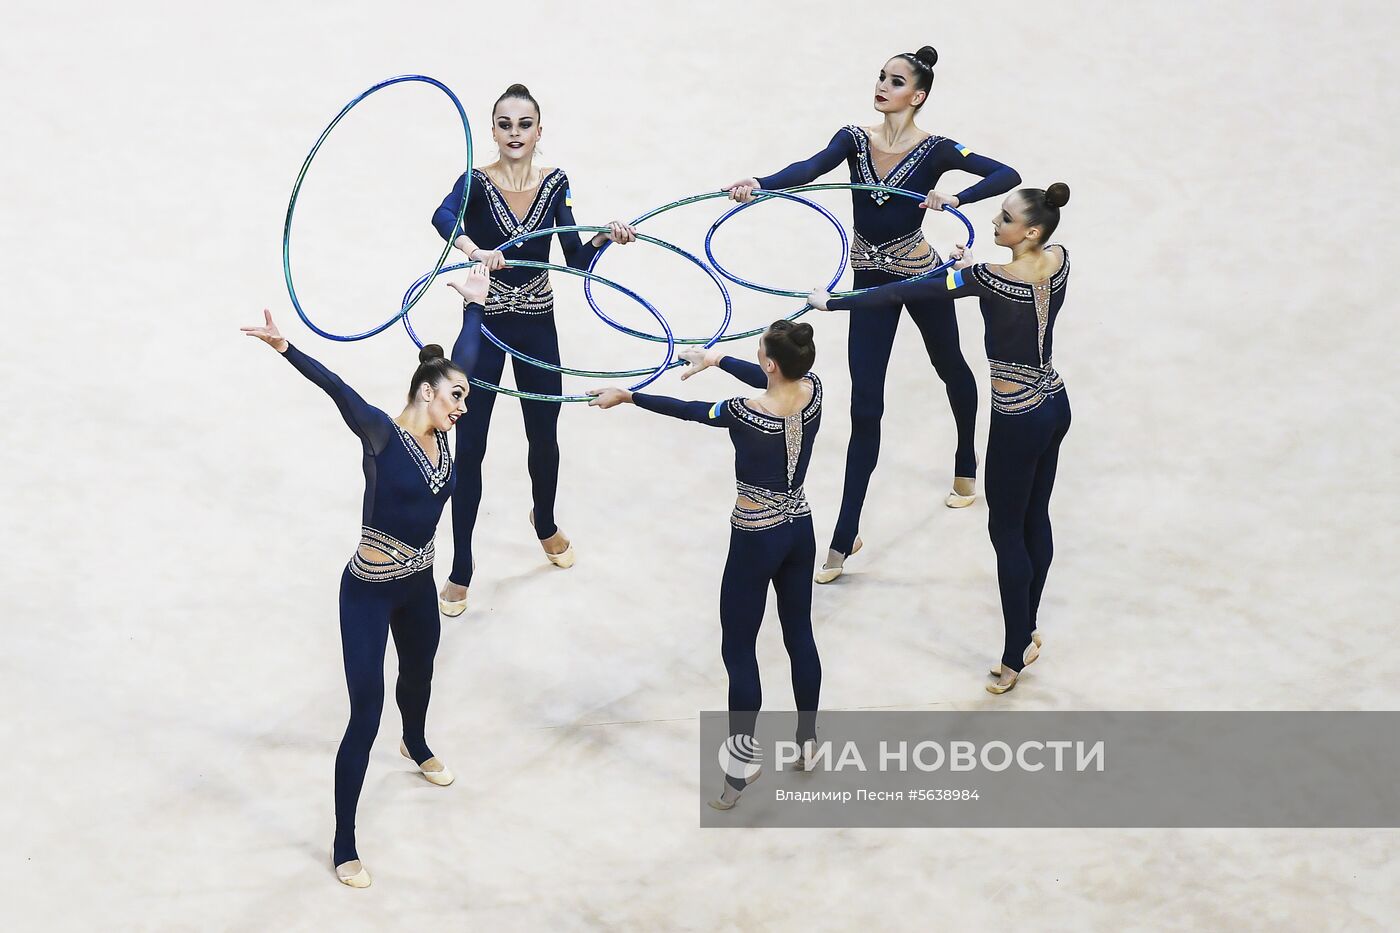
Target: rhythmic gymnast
x=388, y=584
x=889, y=246
x=507, y=198
x=1020, y=301
x=771, y=538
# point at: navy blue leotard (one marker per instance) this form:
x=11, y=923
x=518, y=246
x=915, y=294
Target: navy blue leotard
x=770, y=541
x=1030, y=417
x=389, y=588
x=889, y=246
x=520, y=311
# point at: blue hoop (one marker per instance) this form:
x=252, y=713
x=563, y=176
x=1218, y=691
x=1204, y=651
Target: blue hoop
x=301, y=176
x=709, y=237
x=587, y=284
x=719, y=336
x=704, y=342
x=652, y=374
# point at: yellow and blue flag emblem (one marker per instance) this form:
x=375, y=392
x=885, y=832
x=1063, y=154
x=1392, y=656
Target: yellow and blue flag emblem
x=954, y=280
x=568, y=197
x=714, y=410
x=964, y=151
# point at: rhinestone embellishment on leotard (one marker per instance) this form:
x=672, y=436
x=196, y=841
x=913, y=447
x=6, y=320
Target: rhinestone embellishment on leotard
x=865, y=165
x=1041, y=291
x=1037, y=294
x=534, y=297
x=505, y=218
x=792, y=435
x=435, y=477
x=401, y=560
x=893, y=257
x=1034, y=384
x=773, y=508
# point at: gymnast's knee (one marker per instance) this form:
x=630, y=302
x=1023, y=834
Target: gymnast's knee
x=415, y=676
x=866, y=414
x=366, y=702
x=543, y=450
x=360, y=732
x=800, y=645
x=951, y=366
x=740, y=660
x=1006, y=533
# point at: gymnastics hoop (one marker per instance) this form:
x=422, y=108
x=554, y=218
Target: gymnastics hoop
x=721, y=337
x=619, y=374
x=653, y=374
x=785, y=293
x=301, y=176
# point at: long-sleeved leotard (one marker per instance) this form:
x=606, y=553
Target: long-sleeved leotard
x=884, y=221
x=519, y=311
x=489, y=222
x=771, y=541
x=388, y=584
x=770, y=453
x=1030, y=417
x=888, y=246
x=1019, y=320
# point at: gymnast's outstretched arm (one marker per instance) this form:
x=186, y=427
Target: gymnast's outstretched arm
x=745, y=371
x=468, y=345
x=370, y=424
x=715, y=414
x=699, y=360
x=473, y=289
x=798, y=173
x=954, y=284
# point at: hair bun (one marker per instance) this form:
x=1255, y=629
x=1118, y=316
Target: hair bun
x=802, y=334
x=431, y=352
x=928, y=55
x=517, y=90
x=1057, y=195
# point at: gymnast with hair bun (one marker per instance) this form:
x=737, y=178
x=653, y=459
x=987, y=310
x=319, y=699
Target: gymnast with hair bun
x=388, y=584
x=771, y=539
x=889, y=246
x=505, y=199
x=1020, y=301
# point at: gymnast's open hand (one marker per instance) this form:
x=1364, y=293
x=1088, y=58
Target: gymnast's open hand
x=609, y=397
x=475, y=286
x=818, y=298
x=268, y=333
x=743, y=189
x=698, y=360
x=936, y=201
x=961, y=255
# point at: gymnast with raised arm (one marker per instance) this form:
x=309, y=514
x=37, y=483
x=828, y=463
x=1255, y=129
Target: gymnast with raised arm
x=388, y=585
